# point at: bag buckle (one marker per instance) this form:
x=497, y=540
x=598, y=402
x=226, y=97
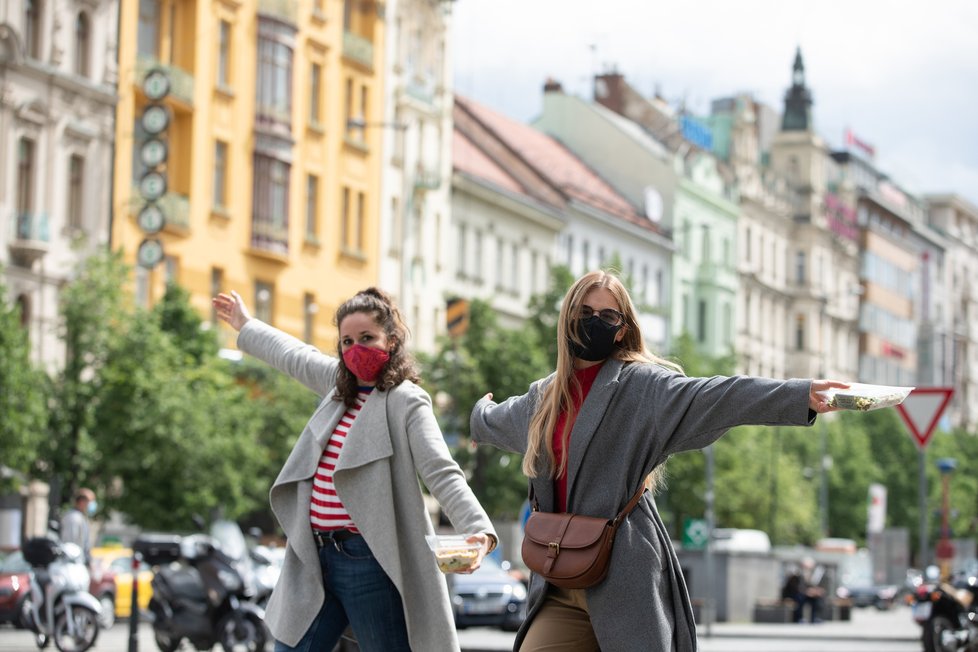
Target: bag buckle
x=554, y=549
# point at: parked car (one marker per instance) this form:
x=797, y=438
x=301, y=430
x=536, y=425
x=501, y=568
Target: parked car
x=881, y=596
x=15, y=586
x=117, y=561
x=488, y=597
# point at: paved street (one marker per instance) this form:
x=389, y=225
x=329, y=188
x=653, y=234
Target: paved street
x=868, y=631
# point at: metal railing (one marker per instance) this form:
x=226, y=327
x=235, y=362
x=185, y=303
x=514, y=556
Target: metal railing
x=358, y=48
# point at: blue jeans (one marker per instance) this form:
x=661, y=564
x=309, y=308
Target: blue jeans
x=358, y=593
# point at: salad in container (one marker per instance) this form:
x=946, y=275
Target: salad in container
x=453, y=552
x=863, y=397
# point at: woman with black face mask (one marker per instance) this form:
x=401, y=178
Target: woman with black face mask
x=599, y=429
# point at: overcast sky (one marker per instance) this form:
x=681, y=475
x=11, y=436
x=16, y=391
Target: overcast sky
x=902, y=74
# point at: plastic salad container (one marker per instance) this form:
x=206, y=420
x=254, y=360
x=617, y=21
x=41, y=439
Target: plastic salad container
x=863, y=397
x=452, y=552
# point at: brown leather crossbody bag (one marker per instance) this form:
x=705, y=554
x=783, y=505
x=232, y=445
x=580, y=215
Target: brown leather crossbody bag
x=570, y=550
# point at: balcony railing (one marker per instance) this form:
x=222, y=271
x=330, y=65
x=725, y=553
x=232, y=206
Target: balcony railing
x=176, y=208
x=270, y=237
x=181, y=81
x=283, y=10
x=359, y=49
x=30, y=238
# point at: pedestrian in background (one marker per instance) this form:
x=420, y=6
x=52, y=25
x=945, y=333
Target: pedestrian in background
x=348, y=497
x=75, y=525
x=591, y=434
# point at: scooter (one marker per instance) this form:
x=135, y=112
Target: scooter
x=60, y=606
x=947, y=612
x=202, y=598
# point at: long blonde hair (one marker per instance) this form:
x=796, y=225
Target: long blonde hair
x=558, y=395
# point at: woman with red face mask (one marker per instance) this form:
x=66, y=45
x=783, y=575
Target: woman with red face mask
x=348, y=497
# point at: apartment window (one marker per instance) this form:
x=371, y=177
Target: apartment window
x=25, y=180
x=274, y=80
x=570, y=250
x=309, y=310
x=462, y=248
x=800, y=268
x=76, y=177
x=395, y=227
x=264, y=301
x=364, y=96
x=659, y=287
x=645, y=282
x=361, y=211
x=148, y=35
x=217, y=286
x=224, y=55
x=586, y=253
x=477, y=256
x=315, y=90
x=800, y=333
x=171, y=269
x=82, y=34
x=499, y=263
x=32, y=28
x=707, y=249
x=347, y=15
x=312, y=206
x=701, y=321
x=271, y=205
x=345, y=220
x=317, y=9
x=747, y=245
x=514, y=269
x=220, y=175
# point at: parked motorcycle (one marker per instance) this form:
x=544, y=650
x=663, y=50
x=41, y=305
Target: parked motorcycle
x=59, y=606
x=947, y=612
x=202, y=598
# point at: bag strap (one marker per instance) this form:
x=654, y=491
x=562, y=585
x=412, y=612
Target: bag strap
x=535, y=506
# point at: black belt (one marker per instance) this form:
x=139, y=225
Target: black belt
x=328, y=537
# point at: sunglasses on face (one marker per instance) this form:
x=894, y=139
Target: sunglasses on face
x=609, y=316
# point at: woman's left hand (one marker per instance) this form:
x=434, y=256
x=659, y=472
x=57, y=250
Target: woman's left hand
x=819, y=403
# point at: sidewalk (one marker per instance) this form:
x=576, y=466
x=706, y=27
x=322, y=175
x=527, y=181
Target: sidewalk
x=867, y=624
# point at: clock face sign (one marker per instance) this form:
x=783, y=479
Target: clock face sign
x=152, y=186
x=156, y=84
x=150, y=253
x=151, y=219
x=155, y=119
x=153, y=152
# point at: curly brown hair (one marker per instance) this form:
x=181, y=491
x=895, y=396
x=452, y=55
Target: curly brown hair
x=400, y=367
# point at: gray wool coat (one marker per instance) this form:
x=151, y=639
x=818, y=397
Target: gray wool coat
x=634, y=417
x=394, y=440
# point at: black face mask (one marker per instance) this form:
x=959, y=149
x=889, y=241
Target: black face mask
x=598, y=338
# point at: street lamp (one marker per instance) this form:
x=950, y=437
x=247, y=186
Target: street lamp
x=945, y=549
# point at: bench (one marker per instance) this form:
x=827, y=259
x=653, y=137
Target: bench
x=774, y=611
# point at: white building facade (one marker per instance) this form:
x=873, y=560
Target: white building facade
x=58, y=73
x=415, y=207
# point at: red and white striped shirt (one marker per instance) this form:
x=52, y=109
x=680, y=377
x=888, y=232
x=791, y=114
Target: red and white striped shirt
x=326, y=511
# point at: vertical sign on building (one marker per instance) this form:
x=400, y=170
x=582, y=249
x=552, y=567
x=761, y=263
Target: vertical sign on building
x=153, y=153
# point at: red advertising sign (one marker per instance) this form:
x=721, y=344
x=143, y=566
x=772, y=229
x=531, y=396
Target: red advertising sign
x=922, y=410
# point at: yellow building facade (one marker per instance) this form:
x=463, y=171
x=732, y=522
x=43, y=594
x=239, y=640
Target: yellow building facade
x=247, y=156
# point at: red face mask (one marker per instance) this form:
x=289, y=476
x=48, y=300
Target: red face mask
x=365, y=362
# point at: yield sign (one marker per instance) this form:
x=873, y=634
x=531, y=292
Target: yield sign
x=922, y=409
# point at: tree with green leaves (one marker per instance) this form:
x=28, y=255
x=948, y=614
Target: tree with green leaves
x=487, y=358
x=94, y=309
x=23, y=398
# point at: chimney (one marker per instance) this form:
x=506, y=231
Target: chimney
x=609, y=91
x=552, y=86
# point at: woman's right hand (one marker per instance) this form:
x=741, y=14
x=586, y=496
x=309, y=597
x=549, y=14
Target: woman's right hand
x=231, y=308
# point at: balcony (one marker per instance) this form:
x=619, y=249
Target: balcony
x=181, y=81
x=30, y=239
x=285, y=11
x=270, y=240
x=176, y=208
x=358, y=49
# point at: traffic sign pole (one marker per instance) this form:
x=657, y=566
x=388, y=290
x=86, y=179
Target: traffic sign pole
x=921, y=411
